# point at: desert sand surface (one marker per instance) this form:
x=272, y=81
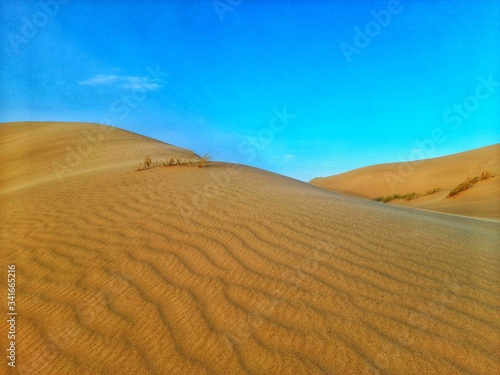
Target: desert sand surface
x=229, y=269
x=422, y=176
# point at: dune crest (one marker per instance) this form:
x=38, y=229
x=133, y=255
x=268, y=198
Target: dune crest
x=232, y=270
x=38, y=152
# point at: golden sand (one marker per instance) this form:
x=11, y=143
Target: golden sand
x=482, y=200
x=229, y=269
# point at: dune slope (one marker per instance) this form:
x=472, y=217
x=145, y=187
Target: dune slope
x=36, y=152
x=482, y=200
x=233, y=270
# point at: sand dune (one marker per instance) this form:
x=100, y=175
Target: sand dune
x=483, y=200
x=231, y=270
x=36, y=152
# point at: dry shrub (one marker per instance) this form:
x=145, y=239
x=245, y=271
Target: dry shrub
x=177, y=160
x=203, y=162
x=435, y=190
x=469, y=182
x=486, y=176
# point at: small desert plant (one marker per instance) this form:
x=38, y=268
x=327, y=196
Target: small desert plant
x=203, y=162
x=486, y=175
x=410, y=196
x=177, y=160
x=147, y=163
x=435, y=190
x=469, y=182
x=463, y=186
x=191, y=156
x=407, y=196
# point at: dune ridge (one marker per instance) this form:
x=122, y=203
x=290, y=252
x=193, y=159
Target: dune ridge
x=422, y=176
x=38, y=152
x=233, y=270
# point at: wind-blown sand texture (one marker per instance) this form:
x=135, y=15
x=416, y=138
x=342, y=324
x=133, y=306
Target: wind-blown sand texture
x=230, y=269
x=482, y=200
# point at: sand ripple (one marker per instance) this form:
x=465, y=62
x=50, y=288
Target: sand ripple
x=151, y=272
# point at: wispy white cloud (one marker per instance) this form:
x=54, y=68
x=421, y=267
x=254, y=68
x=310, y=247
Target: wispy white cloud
x=99, y=79
x=126, y=82
x=289, y=157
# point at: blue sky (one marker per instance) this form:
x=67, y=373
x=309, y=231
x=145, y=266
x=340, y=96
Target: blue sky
x=301, y=88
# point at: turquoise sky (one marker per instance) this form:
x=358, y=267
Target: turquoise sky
x=301, y=88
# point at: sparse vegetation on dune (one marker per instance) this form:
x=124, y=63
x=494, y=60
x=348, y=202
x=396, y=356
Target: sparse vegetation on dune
x=186, y=159
x=468, y=183
x=204, y=160
x=407, y=196
x=435, y=190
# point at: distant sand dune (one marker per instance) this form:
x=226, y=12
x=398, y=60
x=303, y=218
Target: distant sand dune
x=483, y=200
x=233, y=270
